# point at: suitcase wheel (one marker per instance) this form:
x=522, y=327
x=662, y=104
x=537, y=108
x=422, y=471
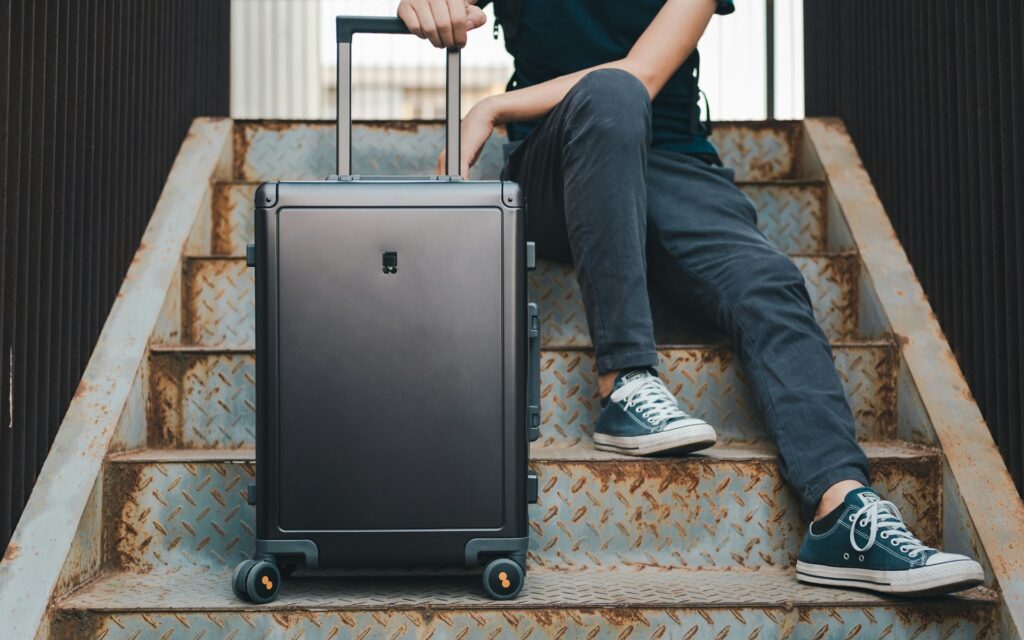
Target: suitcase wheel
x=503, y=579
x=259, y=581
x=238, y=579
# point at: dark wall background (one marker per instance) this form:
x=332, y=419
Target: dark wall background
x=932, y=92
x=95, y=98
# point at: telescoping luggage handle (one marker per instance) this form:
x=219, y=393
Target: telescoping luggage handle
x=347, y=26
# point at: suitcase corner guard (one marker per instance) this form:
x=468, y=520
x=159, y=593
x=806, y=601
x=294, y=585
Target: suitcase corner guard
x=273, y=548
x=514, y=548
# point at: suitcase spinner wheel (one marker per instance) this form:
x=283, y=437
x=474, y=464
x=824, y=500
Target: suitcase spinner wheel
x=256, y=581
x=503, y=579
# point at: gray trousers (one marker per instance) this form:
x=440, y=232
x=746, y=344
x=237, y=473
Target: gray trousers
x=598, y=196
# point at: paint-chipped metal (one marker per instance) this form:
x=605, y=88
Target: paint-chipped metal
x=218, y=302
x=61, y=502
x=726, y=510
x=701, y=546
x=985, y=511
x=627, y=603
x=306, y=150
x=205, y=396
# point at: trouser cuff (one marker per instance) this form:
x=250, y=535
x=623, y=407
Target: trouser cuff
x=627, y=361
x=812, y=496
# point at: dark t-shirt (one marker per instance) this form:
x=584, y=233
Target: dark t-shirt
x=557, y=37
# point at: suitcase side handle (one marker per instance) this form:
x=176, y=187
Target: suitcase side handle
x=533, y=373
x=346, y=27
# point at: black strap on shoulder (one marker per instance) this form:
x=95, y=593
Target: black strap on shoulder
x=697, y=126
x=507, y=14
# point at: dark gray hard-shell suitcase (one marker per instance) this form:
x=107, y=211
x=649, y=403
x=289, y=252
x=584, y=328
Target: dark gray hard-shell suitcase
x=397, y=381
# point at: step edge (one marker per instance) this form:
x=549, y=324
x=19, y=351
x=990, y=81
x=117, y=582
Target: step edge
x=973, y=598
x=875, y=451
x=165, y=348
x=781, y=182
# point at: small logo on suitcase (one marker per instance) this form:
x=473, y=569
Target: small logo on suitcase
x=389, y=260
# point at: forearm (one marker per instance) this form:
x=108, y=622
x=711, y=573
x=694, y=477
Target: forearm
x=531, y=103
x=657, y=54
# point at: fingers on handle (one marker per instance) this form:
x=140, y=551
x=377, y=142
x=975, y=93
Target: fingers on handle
x=457, y=11
x=475, y=17
x=425, y=17
x=408, y=16
x=442, y=18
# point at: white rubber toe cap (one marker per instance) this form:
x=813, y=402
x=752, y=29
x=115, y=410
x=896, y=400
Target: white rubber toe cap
x=942, y=558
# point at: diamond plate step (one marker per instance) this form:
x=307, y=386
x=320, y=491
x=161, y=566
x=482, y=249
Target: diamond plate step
x=205, y=396
x=728, y=508
x=282, y=150
x=218, y=303
x=627, y=604
x=791, y=214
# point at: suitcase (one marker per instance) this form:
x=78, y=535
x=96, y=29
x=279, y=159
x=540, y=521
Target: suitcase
x=397, y=367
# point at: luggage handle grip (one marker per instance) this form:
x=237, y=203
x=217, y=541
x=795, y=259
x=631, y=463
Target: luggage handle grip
x=346, y=27
x=533, y=373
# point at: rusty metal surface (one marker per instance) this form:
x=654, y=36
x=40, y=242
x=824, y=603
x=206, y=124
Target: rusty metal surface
x=710, y=383
x=615, y=541
x=289, y=150
x=218, y=301
x=622, y=604
x=790, y=214
x=889, y=621
x=986, y=508
x=901, y=620
x=202, y=398
x=728, y=509
x=218, y=305
x=46, y=534
x=205, y=396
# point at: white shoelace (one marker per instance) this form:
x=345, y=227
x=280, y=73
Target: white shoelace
x=886, y=522
x=653, y=401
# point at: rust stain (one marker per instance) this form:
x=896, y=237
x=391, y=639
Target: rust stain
x=165, y=400
x=13, y=551
x=845, y=268
x=221, y=241
x=241, y=139
x=124, y=541
x=83, y=389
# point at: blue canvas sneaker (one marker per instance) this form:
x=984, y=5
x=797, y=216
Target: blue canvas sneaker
x=642, y=417
x=865, y=544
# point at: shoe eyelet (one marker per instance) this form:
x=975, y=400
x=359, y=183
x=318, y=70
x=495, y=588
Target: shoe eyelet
x=863, y=523
x=893, y=542
x=852, y=518
x=884, y=535
x=846, y=556
x=861, y=558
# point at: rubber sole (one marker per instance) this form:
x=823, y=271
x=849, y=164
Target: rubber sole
x=683, y=439
x=922, y=581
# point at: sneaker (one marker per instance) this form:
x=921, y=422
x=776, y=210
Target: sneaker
x=865, y=544
x=642, y=417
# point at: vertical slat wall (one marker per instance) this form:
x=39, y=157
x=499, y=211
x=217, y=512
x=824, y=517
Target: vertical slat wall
x=932, y=92
x=95, y=98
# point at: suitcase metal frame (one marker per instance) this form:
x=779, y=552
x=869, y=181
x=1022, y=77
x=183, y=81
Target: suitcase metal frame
x=502, y=548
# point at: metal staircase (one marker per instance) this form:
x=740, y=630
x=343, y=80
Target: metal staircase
x=701, y=546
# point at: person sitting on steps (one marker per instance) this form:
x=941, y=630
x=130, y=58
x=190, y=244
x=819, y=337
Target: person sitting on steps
x=607, y=142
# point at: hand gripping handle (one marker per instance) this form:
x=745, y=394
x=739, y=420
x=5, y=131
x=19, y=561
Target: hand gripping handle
x=347, y=26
